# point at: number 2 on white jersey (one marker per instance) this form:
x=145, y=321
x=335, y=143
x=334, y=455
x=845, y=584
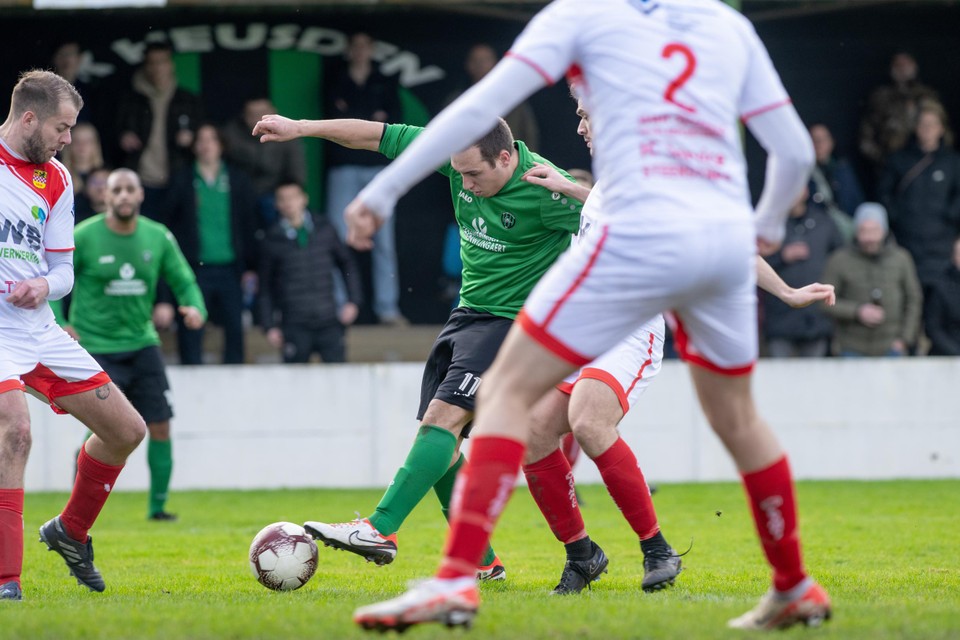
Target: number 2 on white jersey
x=685, y=75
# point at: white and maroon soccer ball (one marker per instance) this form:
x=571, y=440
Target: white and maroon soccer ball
x=283, y=556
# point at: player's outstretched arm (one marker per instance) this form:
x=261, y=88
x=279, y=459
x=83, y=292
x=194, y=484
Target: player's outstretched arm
x=549, y=178
x=354, y=134
x=771, y=282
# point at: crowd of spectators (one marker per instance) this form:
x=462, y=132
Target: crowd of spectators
x=887, y=236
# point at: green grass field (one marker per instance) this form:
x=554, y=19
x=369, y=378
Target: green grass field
x=886, y=551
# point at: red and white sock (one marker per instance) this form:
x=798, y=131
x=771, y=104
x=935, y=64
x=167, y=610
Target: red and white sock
x=485, y=485
x=628, y=488
x=11, y=535
x=95, y=481
x=551, y=484
x=774, y=504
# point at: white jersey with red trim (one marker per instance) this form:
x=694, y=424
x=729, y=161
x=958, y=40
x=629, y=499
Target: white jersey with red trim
x=36, y=216
x=665, y=83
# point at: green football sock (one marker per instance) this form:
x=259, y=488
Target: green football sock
x=426, y=463
x=444, y=491
x=160, y=461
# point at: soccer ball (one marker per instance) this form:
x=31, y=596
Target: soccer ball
x=283, y=556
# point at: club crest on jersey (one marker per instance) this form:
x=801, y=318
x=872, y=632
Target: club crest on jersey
x=147, y=256
x=480, y=226
x=38, y=214
x=507, y=219
x=40, y=178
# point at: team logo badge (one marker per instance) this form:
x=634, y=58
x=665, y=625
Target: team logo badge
x=507, y=219
x=480, y=226
x=147, y=256
x=38, y=214
x=127, y=271
x=40, y=178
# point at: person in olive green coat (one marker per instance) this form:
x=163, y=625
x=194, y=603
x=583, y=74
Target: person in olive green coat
x=879, y=300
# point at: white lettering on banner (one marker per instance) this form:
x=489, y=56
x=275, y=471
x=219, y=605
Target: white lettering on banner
x=204, y=38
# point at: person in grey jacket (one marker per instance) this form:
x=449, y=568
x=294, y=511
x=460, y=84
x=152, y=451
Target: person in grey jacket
x=878, y=294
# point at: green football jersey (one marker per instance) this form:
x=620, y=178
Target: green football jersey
x=507, y=241
x=115, y=284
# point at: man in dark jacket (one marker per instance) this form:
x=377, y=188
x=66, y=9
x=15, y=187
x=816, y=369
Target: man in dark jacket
x=942, y=313
x=921, y=189
x=878, y=294
x=156, y=121
x=211, y=211
x=811, y=238
x=297, y=263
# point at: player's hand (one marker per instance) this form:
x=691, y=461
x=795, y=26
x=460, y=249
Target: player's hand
x=767, y=247
x=192, y=318
x=29, y=294
x=362, y=224
x=276, y=128
x=805, y=296
x=275, y=338
x=545, y=176
x=163, y=315
x=348, y=313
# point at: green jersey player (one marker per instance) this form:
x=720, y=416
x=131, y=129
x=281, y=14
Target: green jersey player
x=119, y=258
x=511, y=231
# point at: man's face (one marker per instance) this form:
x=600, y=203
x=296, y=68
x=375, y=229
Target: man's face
x=124, y=195
x=480, y=61
x=822, y=142
x=43, y=139
x=95, y=188
x=870, y=235
x=956, y=253
x=207, y=146
x=256, y=109
x=158, y=68
x=360, y=48
x=583, y=129
x=66, y=60
x=903, y=68
x=291, y=203
x=479, y=176
x=929, y=130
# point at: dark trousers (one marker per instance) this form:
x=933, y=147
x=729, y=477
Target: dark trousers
x=224, y=299
x=299, y=342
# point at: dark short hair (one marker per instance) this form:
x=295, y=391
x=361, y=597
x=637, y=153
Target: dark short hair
x=500, y=138
x=42, y=92
x=289, y=183
x=157, y=46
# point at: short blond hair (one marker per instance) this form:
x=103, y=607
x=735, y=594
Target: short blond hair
x=42, y=92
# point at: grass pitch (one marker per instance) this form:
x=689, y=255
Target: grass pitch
x=886, y=551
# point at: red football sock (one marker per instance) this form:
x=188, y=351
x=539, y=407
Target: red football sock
x=94, y=483
x=771, y=496
x=571, y=449
x=11, y=535
x=551, y=484
x=482, y=490
x=628, y=488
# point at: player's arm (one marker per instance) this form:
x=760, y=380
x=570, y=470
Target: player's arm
x=549, y=178
x=56, y=283
x=771, y=282
x=350, y=133
x=176, y=271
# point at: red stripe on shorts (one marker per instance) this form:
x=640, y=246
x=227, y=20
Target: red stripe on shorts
x=51, y=386
x=548, y=342
x=684, y=348
x=607, y=378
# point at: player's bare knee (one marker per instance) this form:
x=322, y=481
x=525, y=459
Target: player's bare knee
x=129, y=436
x=15, y=438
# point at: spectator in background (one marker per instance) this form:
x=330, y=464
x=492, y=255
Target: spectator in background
x=811, y=238
x=878, y=295
x=920, y=188
x=93, y=199
x=156, y=123
x=942, y=310
x=211, y=211
x=67, y=62
x=360, y=91
x=523, y=123
x=833, y=184
x=83, y=155
x=891, y=111
x=268, y=165
x=299, y=257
